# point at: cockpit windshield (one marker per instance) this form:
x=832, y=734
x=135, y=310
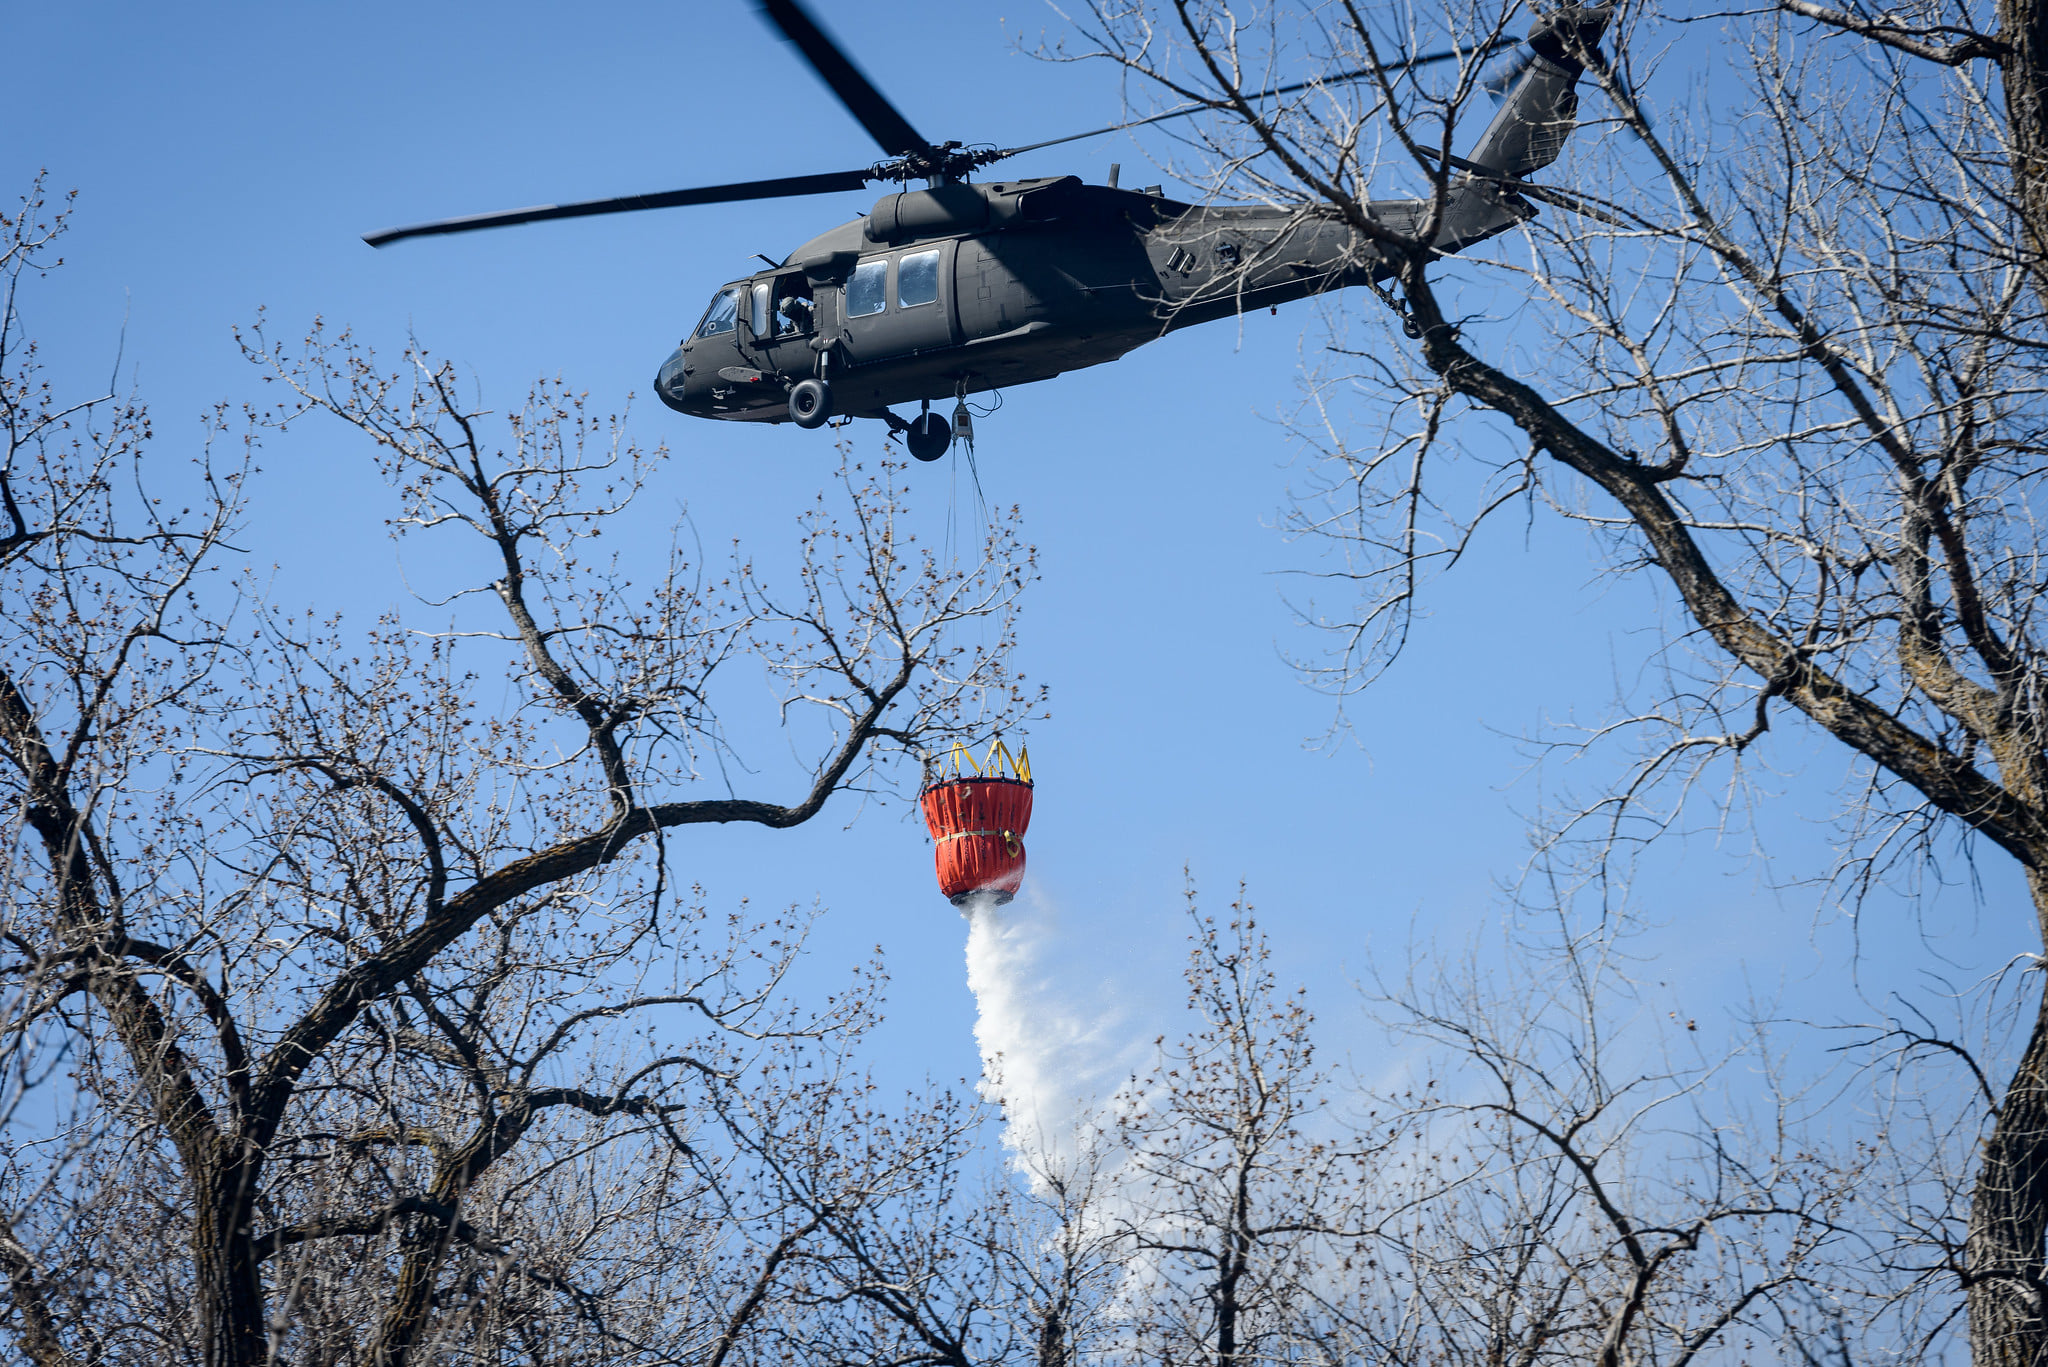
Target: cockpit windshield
x=721, y=316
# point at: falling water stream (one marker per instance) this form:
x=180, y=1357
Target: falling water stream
x=1057, y=1039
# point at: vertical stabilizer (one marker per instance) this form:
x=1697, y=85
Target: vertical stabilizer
x=1542, y=101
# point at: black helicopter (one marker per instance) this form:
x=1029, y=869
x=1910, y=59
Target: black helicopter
x=964, y=287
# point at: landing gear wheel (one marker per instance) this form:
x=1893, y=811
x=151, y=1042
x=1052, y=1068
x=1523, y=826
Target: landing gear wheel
x=928, y=437
x=810, y=403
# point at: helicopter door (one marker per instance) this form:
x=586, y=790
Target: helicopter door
x=901, y=303
x=780, y=318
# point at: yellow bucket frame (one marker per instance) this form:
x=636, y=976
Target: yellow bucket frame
x=999, y=762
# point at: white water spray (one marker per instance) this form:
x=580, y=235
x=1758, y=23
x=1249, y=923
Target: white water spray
x=1057, y=1041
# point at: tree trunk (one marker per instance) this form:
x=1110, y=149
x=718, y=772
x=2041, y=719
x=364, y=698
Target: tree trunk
x=2009, y=1211
x=233, y=1332
x=2023, y=76
x=425, y=1249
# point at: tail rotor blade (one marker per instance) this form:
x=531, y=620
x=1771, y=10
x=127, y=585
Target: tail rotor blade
x=1502, y=81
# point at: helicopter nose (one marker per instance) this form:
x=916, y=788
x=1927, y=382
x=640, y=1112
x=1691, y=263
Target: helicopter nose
x=668, y=381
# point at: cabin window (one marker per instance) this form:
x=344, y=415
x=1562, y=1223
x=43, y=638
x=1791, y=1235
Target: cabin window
x=721, y=316
x=866, y=291
x=794, y=310
x=760, y=319
x=917, y=280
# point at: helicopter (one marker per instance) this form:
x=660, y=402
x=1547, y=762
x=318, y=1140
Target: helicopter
x=967, y=286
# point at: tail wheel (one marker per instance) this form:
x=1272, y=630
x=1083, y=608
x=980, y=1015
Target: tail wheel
x=929, y=437
x=810, y=403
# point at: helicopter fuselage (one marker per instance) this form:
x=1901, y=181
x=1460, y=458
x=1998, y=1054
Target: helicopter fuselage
x=964, y=288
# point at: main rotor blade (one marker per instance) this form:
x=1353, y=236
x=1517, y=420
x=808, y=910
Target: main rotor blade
x=667, y=199
x=1361, y=74
x=884, y=124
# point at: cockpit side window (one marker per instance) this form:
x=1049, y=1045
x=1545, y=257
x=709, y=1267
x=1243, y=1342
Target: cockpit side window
x=761, y=320
x=721, y=316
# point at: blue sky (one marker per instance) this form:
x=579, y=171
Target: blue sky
x=228, y=156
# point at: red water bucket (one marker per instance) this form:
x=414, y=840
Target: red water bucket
x=978, y=824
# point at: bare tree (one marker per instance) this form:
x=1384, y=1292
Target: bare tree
x=1581, y=1182
x=1777, y=346
x=1238, y=1197
x=1538, y=1172
x=356, y=1009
